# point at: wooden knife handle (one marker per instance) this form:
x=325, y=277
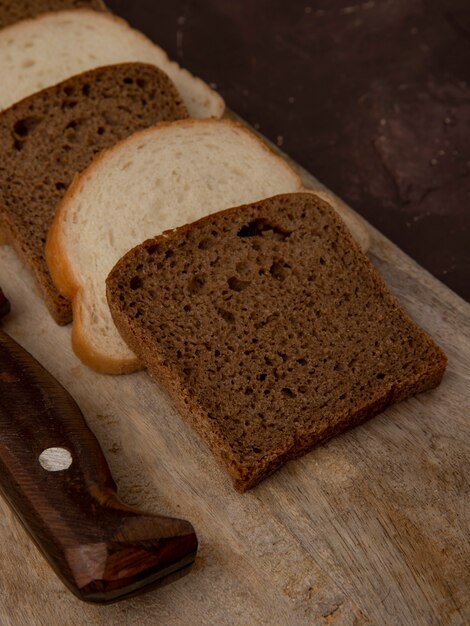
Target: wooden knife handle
x=55, y=476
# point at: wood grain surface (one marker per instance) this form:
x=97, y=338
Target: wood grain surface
x=372, y=528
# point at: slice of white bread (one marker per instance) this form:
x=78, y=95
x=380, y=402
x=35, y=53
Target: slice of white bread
x=43, y=51
x=154, y=181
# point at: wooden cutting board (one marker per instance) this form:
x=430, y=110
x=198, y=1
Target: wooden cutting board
x=372, y=528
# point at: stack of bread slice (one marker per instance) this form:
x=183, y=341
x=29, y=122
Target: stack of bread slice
x=47, y=138
x=40, y=52
x=111, y=156
x=75, y=83
x=156, y=180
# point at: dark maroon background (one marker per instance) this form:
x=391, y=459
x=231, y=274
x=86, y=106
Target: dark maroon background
x=372, y=97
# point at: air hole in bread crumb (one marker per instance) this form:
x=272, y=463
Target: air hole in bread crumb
x=86, y=89
x=226, y=315
x=236, y=284
x=288, y=392
x=23, y=127
x=196, y=284
x=261, y=227
x=135, y=282
x=128, y=81
x=301, y=361
x=380, y=376
x=278, y=271
x=204, y=244
x=152, y=249
x=101, y=130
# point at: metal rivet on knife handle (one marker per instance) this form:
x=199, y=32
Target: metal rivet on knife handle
x=55, y=459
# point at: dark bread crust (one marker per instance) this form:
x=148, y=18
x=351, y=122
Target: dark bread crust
x=271, y=330
x=48, y=138
x=12, y=11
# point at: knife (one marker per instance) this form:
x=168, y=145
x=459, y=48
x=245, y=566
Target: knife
x=55, y=477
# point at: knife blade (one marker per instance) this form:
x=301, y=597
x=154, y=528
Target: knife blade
x=54, y=475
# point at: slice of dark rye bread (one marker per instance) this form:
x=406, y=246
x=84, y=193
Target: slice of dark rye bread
x=49, y=137
x=270, y=328
x=12, y=11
